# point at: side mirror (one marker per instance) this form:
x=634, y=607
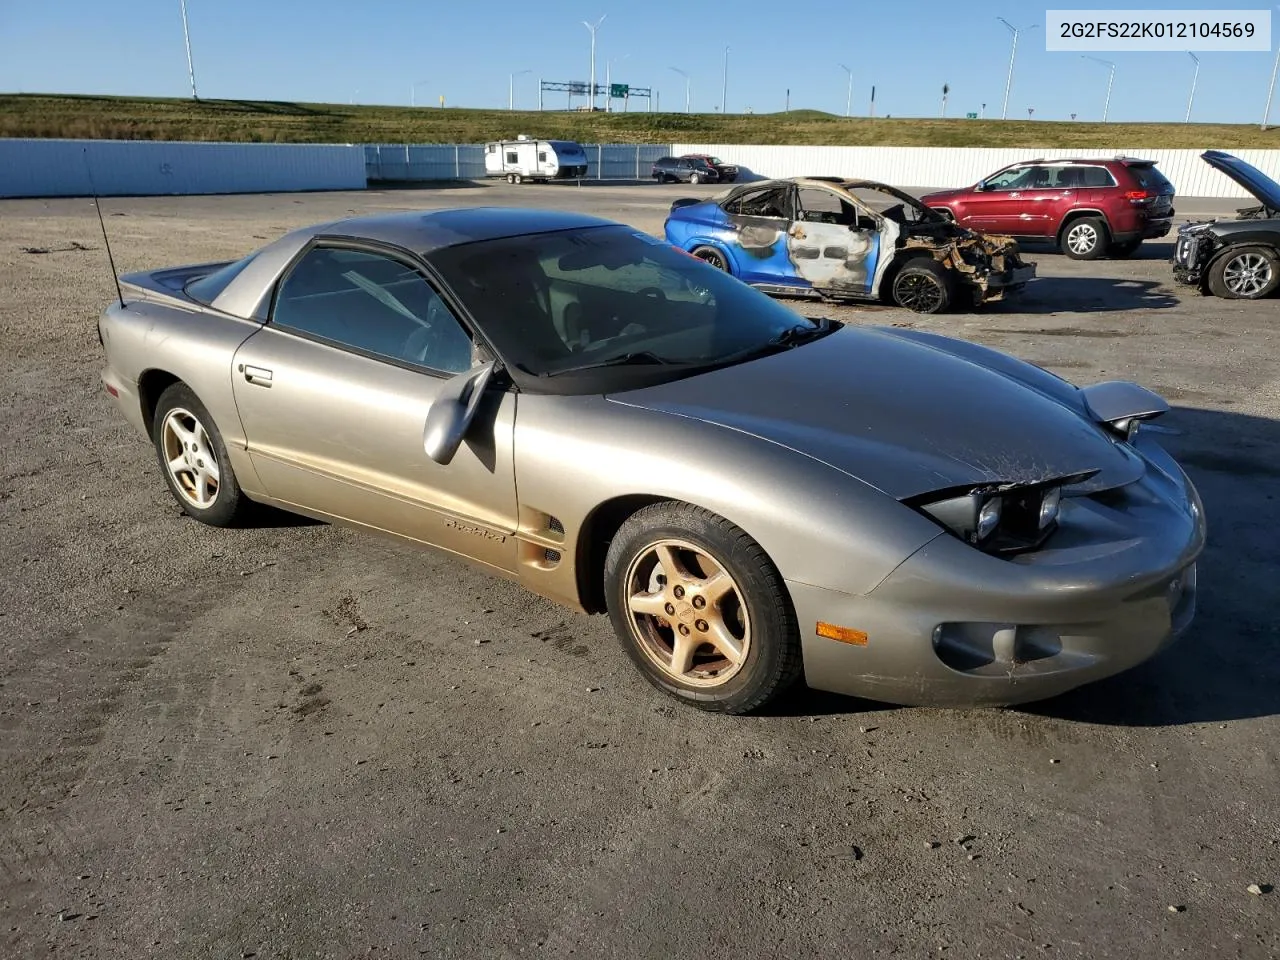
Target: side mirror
x=450, y=414
x=980, y=186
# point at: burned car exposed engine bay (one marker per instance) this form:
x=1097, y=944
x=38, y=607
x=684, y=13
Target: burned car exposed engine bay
x=835, y=238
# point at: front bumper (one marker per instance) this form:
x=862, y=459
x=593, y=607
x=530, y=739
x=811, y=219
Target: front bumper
x=1187, y=259
x=954, y=627
x=1000, y=284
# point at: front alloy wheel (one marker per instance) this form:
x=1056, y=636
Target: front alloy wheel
x=700, y=609
x=1249, y=274
x=687, y=614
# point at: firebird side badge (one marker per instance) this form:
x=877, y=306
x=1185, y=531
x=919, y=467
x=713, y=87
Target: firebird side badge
x=451, y=524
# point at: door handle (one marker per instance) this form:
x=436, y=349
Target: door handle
x=259, y=375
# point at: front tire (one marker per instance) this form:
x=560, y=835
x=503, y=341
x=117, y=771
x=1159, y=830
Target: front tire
x=700, y=609
x=1249, y=273
x=194, y=459
x=695, y=178
x=922, y=286
x=1085, y=239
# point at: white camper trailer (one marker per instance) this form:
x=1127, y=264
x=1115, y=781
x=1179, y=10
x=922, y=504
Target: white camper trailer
x=527, y=159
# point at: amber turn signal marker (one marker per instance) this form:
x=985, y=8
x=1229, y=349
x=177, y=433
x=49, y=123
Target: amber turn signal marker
x=843, y=634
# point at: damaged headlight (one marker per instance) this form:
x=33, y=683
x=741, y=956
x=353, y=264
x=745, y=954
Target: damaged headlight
x=998, y=518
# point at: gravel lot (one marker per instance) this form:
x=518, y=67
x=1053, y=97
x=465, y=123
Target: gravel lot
x=300, y=741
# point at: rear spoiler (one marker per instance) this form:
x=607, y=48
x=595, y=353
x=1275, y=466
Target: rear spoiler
x=684, y=202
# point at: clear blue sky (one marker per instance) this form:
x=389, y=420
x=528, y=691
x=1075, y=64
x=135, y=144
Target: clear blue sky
x=372, y=51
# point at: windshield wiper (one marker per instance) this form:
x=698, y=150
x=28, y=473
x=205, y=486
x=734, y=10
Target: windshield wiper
x=791, y=337
x=636, y=358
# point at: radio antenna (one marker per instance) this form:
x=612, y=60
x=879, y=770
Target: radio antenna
x=103, y=224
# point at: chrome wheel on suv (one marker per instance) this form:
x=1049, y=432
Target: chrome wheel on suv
x=1249, y=273
x=1084, y=239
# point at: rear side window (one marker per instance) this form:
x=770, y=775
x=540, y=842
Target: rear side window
x=1149, y=178
x=1096, y=177
x=208, y=288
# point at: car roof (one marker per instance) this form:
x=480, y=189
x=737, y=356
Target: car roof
x=425, y=231
x=420, y=232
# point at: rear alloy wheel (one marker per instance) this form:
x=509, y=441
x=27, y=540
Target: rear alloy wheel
x=700, y=609
x=1249, y=273
x=1085, y=239
x=922, y=286
x=516, y=178
x=1125, y=248
x=712, y=256
x=511, y=178
x=194, y=459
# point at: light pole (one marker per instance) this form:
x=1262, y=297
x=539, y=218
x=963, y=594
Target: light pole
x=608, y=80
x=186, y=36
x=1194, y=77
x=1110, y=79
x=413, y=92
x=724, y=89
x=687, y=86
x=511, y=88
x=1266, y=112
x=593, y=27
x=848, y=97
x=1008, y=84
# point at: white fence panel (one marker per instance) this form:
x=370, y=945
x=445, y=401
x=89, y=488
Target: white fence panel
x=962, y=166
x=409, y=161
x=60, y=168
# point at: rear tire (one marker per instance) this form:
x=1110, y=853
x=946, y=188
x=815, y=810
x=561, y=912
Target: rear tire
x=511, y=178
x=518, y=178
x=922, y=286
x=194, y=460
x=1085, y=239
x=1249, y=273
x=717, y=629
x=713, y=257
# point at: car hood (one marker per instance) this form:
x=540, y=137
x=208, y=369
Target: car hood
x=1266, y=190
x=906, y=417
x=938, y=195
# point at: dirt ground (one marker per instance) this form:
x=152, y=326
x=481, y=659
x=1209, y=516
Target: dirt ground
x=301, y=741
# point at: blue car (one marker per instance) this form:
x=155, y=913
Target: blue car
x=842, y=239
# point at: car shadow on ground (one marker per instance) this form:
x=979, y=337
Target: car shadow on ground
x=1049, y=295
x=1227, y=666
x=1150, y=250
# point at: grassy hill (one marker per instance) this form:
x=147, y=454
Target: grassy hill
x=262, y=121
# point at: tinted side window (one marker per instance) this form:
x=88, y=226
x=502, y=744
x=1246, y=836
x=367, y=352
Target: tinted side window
x=374, y=304
x=1019, y=178
x=1096, y=177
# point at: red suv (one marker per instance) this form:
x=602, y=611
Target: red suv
x=1086, y=207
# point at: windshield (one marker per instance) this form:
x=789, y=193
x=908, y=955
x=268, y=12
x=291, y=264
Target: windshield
x=609, y=305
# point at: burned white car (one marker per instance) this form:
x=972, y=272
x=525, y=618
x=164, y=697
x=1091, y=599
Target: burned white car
x=847, y=239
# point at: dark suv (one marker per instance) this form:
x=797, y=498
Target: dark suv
x=1087, y=207
x=686, y=169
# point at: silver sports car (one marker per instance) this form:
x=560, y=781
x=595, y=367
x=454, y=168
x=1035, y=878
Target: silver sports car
x=622, y=428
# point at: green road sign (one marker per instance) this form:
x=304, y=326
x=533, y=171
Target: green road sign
x=619, y=91
x=971, y=116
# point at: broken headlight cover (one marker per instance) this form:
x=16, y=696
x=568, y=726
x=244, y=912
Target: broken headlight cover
x=998, y=518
